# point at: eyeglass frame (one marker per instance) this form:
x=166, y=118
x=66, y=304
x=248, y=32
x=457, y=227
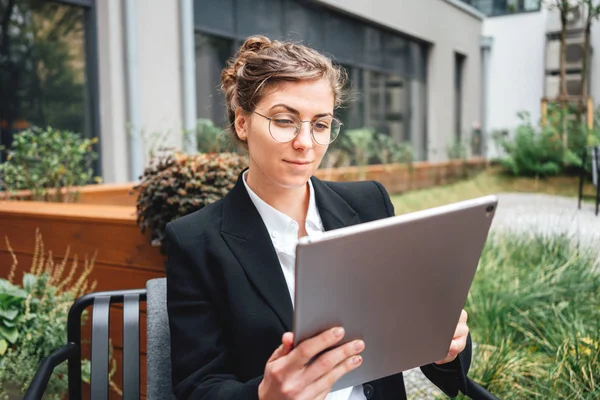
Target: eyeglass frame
x=312, y=125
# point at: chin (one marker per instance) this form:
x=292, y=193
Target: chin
x=293, y=181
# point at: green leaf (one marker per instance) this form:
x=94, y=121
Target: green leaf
x=10, y=334
x=9, y=314
x=3, y=347
x=9, y=324
x=29, y=282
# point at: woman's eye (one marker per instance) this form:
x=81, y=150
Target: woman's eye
x=321, y=126
x=280, y=121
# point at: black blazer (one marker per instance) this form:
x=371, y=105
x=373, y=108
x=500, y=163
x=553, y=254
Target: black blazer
x=228, y=302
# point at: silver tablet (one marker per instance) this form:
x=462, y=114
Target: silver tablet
x=399, y=284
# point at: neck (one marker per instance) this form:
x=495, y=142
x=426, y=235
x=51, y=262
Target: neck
x=293, y=202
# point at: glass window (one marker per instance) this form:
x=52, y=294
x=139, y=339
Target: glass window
x=417, y=118
x=211, y=56
x=259, y=17
x=344, y=39
x=503, y=7
x=396, y=107
x=459, y=62
x=395, y=53
x=352, y=113
x=374, y=95
x=304, y=24
x=42, y=68
x=215, y=16
x=373, y=47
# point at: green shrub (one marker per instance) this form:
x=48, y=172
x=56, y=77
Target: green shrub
x=457, y=150
x=33, y=320
x=534, y=314
x=366, y=146
x=50, y=163
x=534, y=152
x=210, y=138
x=177, y=184
x=358, y=144
x=553, y=149
x=386, y=150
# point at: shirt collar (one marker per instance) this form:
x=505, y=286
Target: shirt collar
x=275, y=220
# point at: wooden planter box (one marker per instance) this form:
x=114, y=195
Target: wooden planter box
x=104, y=221
x=125, y=258
x=102, y=194
x=399, y=178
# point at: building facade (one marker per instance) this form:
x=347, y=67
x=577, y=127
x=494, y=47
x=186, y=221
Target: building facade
x=523, y=66
x=140, y=73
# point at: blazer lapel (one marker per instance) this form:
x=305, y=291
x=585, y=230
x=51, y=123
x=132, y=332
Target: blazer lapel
x=334, y=211
x=246, y=235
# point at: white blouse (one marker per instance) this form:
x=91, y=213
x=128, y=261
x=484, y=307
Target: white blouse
x=283, y=231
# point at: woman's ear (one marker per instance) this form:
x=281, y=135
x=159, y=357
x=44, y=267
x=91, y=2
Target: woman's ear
x=241, y=125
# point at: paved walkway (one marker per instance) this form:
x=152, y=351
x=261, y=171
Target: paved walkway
x=523, y=213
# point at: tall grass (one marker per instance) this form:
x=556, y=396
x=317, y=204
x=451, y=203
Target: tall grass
x=534, y=314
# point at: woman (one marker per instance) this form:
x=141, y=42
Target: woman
x=230, y=279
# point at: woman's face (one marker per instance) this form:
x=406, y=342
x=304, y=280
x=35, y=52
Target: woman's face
x=291, y=164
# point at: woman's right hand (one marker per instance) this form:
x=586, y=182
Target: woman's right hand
x=287, y=375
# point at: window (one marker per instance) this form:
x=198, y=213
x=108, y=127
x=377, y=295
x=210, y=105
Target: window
x=387, y=71
x=211, y=56
x=259, y=16
x=502, y=7
x=45, y=68
x=459, y=62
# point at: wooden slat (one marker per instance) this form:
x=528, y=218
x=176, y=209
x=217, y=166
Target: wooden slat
x=69, y=211
x=116, y=244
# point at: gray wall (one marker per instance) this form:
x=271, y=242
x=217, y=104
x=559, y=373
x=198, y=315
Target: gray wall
x=449, y=27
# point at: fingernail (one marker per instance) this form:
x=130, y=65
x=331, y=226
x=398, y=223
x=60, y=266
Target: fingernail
x=338, y=332
x=356, y=360
x=359, y=345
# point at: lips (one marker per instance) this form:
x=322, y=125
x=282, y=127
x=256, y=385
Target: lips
x=298, y=162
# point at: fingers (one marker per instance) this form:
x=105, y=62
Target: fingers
x=459, y=341
x=309, y=348
x=331, y=359
x=461, y=330
x=456, y=347
x=287, y=342
x=325, y=382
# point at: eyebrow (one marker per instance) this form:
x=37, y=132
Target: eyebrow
x=293, y=110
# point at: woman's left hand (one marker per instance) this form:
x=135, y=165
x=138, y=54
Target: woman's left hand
x=459, y=342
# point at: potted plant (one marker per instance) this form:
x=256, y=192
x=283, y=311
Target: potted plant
x=177, y=184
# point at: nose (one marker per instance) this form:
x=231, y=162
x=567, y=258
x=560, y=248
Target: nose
x=304, y=139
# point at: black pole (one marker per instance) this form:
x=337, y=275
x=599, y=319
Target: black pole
x=477, y=392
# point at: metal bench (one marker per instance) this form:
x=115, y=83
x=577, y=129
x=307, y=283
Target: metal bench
x=158, y=347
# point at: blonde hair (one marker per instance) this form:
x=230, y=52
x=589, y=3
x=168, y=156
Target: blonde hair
x=261, y=62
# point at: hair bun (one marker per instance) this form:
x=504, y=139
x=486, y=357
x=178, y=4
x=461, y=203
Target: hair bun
x=252, y=45
x=255, y=44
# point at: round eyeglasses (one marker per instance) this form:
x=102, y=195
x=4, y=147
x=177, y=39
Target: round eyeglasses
x=284, y=127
